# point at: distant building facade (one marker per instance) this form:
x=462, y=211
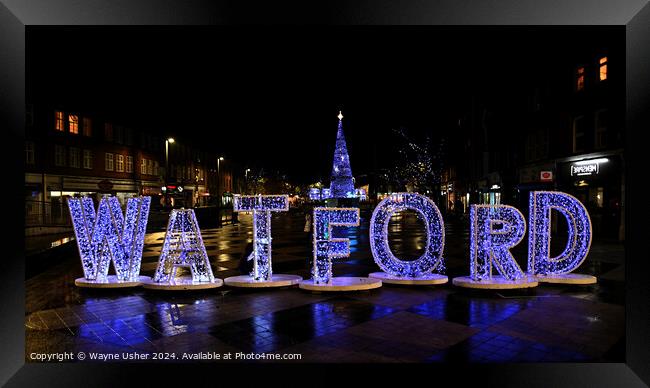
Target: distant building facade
x=563, y=132
x=73, y=153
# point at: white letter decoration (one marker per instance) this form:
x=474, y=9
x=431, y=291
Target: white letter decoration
x=262, y=275
x=422, y=270
x=110, y=236
x=183, y=247
x=540, y=263
x=326, y=248
x=494, y=230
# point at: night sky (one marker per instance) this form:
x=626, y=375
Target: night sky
x=269, y=96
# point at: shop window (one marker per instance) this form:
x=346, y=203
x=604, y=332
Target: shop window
x=578, y=134
x=596, y=196
x=109, y=161
x=59, y=155
x=87, y=127
x=580, y=79
x=603, y=68
x=600, y=139
x=88, y=159
x=29, y=152
x=58, y=121
x=73, y=124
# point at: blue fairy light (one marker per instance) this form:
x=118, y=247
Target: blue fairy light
x=539, y=238
x=494, y=230
x=327, y=248
x=183, y=247
x=432, y=259
x=110, y=236
x=261, y=206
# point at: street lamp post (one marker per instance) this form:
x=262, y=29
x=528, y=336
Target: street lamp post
x=168, y=141
x=219, y=160
x=246, y=179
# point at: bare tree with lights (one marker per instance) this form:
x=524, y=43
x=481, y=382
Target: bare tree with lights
x=419, y=164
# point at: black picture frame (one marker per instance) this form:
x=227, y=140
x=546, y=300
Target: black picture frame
x=15, y=15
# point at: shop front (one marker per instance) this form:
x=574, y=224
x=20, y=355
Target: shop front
x=538, y=177
x=490, y=189
x=597, y=180
x=46, y=195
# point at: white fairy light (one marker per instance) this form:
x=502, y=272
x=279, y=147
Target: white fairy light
x=314, y=194
x=183, y=247
x=539, y=238
x=431, y=260
x=110, y=236
x=489, y=245
x=261, y=206
x=326, y=247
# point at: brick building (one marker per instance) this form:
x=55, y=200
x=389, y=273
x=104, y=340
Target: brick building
x=71, y=153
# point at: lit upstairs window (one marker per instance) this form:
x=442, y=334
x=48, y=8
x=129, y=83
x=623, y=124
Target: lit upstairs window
x=603, y=68
x=580, y=83
x=58, y=121
x=73, y=123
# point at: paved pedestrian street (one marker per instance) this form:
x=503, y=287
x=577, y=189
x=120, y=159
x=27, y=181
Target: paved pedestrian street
x=389, y=324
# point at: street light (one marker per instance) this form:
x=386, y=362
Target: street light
x=246, y=178
x=168, y=141
x=219, y=160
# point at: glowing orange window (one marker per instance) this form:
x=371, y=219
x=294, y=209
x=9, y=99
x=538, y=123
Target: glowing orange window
x=73, y=123
x=581, y=78
x=58, y=121
x=603, y=68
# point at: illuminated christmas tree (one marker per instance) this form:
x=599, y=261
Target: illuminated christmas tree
x=341, y=185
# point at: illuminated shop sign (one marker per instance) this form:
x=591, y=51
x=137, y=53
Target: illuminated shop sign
x=587, y=167
x=546, y=176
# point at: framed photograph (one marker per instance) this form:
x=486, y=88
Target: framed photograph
x=372, y=189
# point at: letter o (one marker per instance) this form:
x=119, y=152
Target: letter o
x=431, y=259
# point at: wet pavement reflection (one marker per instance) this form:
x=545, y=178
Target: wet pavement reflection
x=390, y=324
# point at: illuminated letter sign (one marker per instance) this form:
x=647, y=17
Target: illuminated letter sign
x=493, y=231
x=183, y=247
x=431, y=260
x=587, y=167
x=326, y=247
x=539, y=239
x=261, y=206
x=110, y=236
x=314, y=194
